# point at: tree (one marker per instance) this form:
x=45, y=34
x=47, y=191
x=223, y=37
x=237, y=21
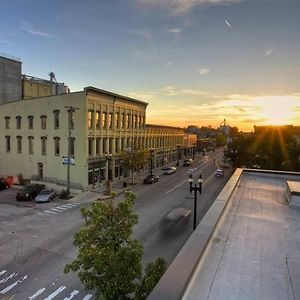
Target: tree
x=109, y=260
x=134, y=160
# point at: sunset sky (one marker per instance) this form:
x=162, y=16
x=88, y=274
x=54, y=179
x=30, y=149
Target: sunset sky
x=195, y=61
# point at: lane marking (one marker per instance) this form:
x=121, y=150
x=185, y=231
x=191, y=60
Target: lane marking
x=72, y=205
x=87, y=297
x=37, y=293
x=178, y=185
x=55, y=293
x=61, y=208
x=8, y=277
x=74, y=293
x=55, y=210
x=7, y=289
x=49, y=211
x=3, y=272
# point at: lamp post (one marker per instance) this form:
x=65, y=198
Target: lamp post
x=108, y=158
x=151, y=160
x=178, y=152
x=195, y=189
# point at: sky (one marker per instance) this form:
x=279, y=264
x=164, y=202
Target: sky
x=194, y=61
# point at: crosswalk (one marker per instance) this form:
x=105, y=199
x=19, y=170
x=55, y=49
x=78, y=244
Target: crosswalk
x=59, y=209
x=11, y=283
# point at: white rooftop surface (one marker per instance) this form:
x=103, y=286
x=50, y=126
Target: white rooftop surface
x=254, y=252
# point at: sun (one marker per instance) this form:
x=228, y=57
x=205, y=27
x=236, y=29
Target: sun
x=276, y=110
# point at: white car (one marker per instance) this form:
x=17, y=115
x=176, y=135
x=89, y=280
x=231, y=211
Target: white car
x=45, y=196
x=170, y=170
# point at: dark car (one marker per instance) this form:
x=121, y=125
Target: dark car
x=29, y=192
x=151, y=179
x=3, y=185
x=187, y=162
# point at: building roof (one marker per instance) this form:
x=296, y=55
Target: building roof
x=96, y=90
x=246, y=247
x=162, y=126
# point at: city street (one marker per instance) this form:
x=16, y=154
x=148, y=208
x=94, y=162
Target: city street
x=36, y=240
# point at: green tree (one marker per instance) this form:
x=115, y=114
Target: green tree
x=109, y=260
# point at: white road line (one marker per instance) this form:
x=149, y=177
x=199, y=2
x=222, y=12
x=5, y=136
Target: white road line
x=74, y=293
x=67, y=206
x=3, y=272
x=61, y=208
x=87, y=297
x=8, y=277
x=55, y=293
x=49, y=211
x=72, y=205
x=37, y=293
x=55, y=210
x=7, y=289
x=178, y=185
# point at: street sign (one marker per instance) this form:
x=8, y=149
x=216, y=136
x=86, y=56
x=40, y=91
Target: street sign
x=66, y=160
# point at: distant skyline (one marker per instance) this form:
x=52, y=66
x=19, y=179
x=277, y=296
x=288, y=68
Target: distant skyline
x=194, y=61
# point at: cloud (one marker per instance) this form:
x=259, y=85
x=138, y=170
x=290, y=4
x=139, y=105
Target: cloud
x=27, y=27
x=174, y=30
x=269, y=51
x=180, y=7
x=170, y=90
x=203, y=71
x=144, y=33
x=228, y=24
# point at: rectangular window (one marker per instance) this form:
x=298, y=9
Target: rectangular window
x=30, y=144
x=123, y=121
x=30, y=122
x=98, y=143
x=110, y=145
x=56, y=146
x=7, y=122
x=56, y=119
x=104, y=116
x=43, y=122
x=72, y=146
x=90, y=147
x=98, y=121
x=18, y=118
x=90, y=119
x=117, y=120
x=44, y=146
x=104, y=145
x=140, y=123
x=116, y=145
x=135, y=121
x=7, y=138
x=19, y=144
x=128, y=121
x=110, y=121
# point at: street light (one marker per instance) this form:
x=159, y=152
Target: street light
x=195, y=189
x=108, y=158
x=151, y=160
x=178, y=149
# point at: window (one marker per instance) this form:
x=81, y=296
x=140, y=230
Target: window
x=98, y=121
x=30, y=144
x=90, y=119
x=135, y=121
x=104, y=114
x=19, y=144
x=116, y=145
x=123, y=121
x=122, y=144
x=43, y=122
x=98, y=143
x=110, y=145
x=7, y=122
x=110, y=121
x=128, y=121
x=44, y=145
x=117, y=120
x=18, y=118
x=90, y=146
x=7, y=138
x=56, y=119
x=72, y=146
x=140, y=122
x=30, y=122
x=104, y=145
x=56, y=146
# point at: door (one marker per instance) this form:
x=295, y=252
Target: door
x=40, y=170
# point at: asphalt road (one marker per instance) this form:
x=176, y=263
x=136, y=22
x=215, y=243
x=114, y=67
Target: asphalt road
x=36, y=241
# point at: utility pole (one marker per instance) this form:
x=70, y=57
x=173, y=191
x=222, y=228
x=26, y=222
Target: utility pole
x=70, y=110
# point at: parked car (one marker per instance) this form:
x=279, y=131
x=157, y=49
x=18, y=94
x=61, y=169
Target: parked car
x=29, y=191
x=151, y=179
x=170, y=170
x=45, y=196
x=3, y=185
x=164, y=168
x=187, y=162
x=219, y=173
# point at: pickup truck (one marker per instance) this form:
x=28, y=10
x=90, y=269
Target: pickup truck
x=29, y=192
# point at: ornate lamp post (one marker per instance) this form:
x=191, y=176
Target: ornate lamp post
x=151, y=160
x=195, y=189
x=108, y=158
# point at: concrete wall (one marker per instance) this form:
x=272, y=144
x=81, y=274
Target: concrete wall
x=10, y=80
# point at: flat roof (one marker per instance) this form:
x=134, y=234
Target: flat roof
x=162, y=126
x=251, y=250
